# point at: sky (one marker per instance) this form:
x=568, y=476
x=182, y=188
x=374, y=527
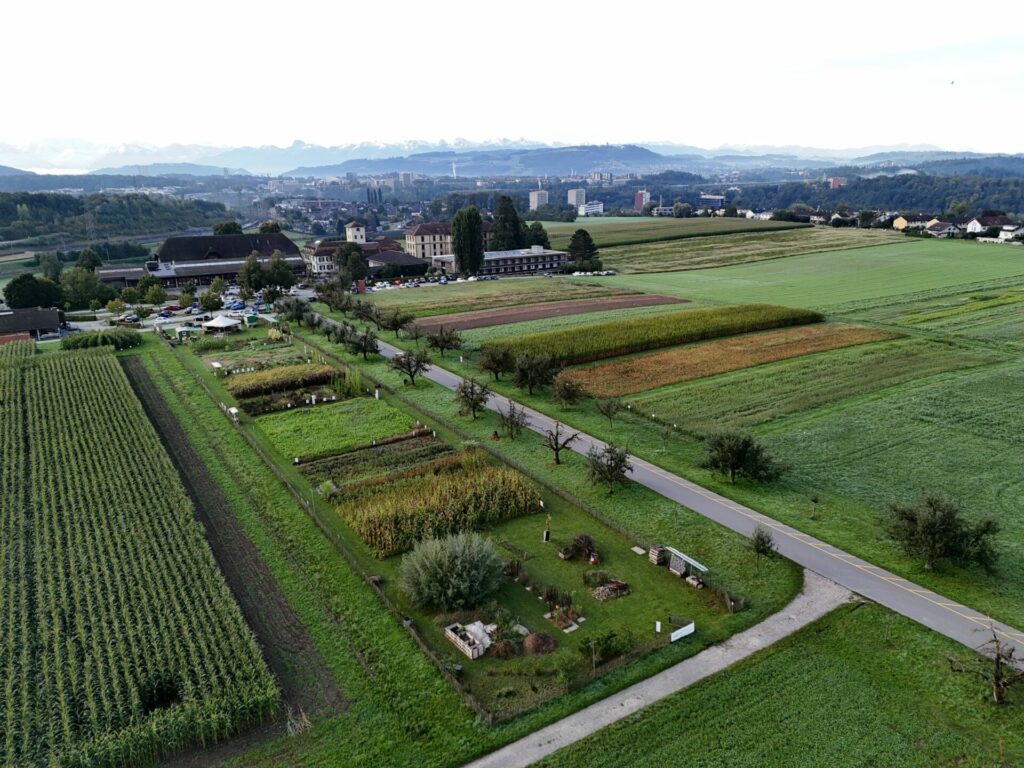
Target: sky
x=227, y=73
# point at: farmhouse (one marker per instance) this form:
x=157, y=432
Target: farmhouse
x=536, y=258
x=318, y=255
x=979, y=224
x=202, y=258
x=15, y=322
x=427, y=240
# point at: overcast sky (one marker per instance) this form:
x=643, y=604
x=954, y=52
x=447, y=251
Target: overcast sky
x=229, y=73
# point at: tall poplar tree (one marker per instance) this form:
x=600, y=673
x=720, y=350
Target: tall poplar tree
x=468, y=240
x=508, y=233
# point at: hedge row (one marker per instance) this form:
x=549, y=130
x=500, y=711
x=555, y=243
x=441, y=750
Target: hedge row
x=393, y=520
x=279, y=379
x=620, y=337
x=119, y=338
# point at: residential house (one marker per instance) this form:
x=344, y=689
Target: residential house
x=1011, y=232
x=912, y=221
x=943, y=229
x=980, y=224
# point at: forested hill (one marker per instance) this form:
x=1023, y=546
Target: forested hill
x=24, y=214
x=906, y=192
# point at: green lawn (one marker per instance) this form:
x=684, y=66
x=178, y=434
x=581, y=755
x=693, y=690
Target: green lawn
x=740, y=248
x=843, y=280
x=608, y=231
x=333, y=428
x=861, y=687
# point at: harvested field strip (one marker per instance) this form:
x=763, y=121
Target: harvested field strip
x=463, y=321
x=671, y=366
x=756, y=395
x=365, y=463
x=581, y=345
x=463, y=297
x=625, y=230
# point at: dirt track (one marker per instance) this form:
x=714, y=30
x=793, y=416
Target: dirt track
x=483, y=318
x=306, y=682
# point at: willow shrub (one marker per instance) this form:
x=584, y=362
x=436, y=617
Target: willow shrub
x=620, y=337
x=453, y=573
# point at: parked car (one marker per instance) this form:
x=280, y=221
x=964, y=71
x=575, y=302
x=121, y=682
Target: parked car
x=165, y=314
x=172, y=308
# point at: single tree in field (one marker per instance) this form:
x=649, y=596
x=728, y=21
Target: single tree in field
x=555, y=440
x=362, y=310
x=443, y=339
x=414, y=331
x=739, y=455
x=269, y=227
x=411, y=364
x=496, y=361
x=227, y=228
x=566, y=390
x=468, y=240
x=762, y=543
x=932, y=528
x=609, y=407
x=608, y=467
x=364, y=343
x=581, y=246
x=534, y=370
x=472, y=396
x=513, y=419
x=995, y=664
x=396, y=321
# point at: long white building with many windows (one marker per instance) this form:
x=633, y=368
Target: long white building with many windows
x=526, y=261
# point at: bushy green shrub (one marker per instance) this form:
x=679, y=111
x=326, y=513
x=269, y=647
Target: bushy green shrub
x=620, y=337
x=452, y=573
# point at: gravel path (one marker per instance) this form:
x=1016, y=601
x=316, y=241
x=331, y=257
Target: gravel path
x=817, y=598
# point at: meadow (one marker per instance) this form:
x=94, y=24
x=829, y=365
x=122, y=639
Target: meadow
x=845, y=281
x=752, y=396
x=739, y=248
x=609, y=231
x=860, y=687
x=637, y=373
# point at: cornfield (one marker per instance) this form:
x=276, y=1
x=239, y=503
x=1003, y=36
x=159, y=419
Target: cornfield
x=13, y=351
x=279, y=379
x=394, y=519
x=621, y=337
x=119, y=640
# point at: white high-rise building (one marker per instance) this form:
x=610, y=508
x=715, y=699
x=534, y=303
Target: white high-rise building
x=538, y=198
x=577, y=197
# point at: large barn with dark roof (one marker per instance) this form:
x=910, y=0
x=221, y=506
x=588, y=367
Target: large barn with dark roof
x=202, y=258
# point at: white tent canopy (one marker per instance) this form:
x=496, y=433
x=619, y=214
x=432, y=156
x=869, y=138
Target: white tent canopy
x=221, y=322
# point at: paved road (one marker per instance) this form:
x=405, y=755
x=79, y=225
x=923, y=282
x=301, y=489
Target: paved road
x=817, y=598
x=934, y=611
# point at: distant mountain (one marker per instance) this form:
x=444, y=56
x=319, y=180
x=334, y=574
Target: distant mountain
x=6, y=170
x=818, y=153
x=277, y=160
x=170, y=169
x=544, y=161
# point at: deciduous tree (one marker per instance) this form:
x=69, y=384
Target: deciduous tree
x=534, y=370
x=443, y=339
x=739, y=455
x=472, y=396
x=608, y=467
x=994, y=664
x=932, y=528
x=556, y=441
x=566, y=390
x=496, y=361
x=27, y=291
x=227, y=228
x=411, y=364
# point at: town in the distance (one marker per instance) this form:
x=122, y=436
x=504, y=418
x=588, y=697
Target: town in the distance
x=685, y=431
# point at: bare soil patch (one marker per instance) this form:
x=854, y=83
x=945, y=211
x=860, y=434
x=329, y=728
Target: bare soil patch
x=464, y=321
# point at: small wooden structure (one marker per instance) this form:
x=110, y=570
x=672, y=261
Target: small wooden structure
x=471, y=639
x=683, y=565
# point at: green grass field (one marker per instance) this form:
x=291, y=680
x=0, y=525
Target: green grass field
x=861, y=687
x=739, y=248
x=847, y=280
x=609, y=231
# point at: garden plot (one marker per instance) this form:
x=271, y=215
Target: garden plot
x=658, y=369
x=312, y=433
